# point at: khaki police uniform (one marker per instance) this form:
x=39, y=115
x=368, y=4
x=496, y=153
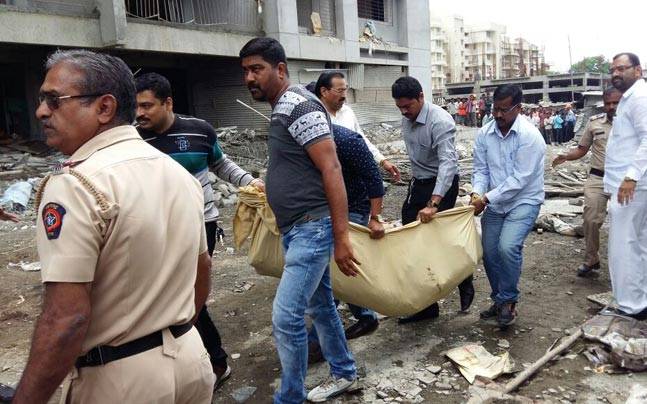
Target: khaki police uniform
x=129, y=220
x=595, y=199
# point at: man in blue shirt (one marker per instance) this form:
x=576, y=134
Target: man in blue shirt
x=508, y=183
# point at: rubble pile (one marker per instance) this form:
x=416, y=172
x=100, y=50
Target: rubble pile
x=225, y=194
x=22, y=167
x=26, y=162
x=247, y=148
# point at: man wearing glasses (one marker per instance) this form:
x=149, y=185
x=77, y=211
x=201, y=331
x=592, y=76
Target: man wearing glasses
x=508, y=183
x=428, y=132
x=626, y=180
x=331, y=88
x=124, y=255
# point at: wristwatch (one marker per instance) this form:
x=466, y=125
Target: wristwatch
x=377, y=218
x=433, y=204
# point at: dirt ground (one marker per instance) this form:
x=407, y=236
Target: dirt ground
x=553, y=300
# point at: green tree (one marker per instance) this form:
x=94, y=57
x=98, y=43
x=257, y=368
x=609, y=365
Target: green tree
x=592, y=64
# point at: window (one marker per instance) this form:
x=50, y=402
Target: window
x=377, y=10
x=326, y=10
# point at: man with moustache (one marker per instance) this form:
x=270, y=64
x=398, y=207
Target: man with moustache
x=123, y=252
x=193, y=143
x=595, y=138
x=428, y=132
x=508, y=183
x=625, y=178
x=306, y=192
x=331, y=88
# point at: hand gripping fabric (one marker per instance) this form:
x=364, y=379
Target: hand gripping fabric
x=410, y=268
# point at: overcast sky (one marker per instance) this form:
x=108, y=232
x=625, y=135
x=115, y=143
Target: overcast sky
x=595, y=28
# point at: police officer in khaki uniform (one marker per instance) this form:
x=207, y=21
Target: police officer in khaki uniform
x=124, y=254
x=595, y=199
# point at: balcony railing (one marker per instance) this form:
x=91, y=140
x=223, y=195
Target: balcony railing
x=234, y=13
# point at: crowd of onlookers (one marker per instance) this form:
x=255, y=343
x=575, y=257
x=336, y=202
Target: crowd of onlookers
x=557, y=125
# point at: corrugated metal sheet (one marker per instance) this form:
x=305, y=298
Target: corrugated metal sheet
x=356, y=76
x=214, y=97
x=371, y=113
x=381, y=76
x=216, y=88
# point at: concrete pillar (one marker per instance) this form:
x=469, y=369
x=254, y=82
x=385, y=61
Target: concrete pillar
x=280, y=22
x=415, y=32
x=545, y=96
x=112, y=19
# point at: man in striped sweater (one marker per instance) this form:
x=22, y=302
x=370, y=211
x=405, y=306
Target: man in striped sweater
x=193, y=143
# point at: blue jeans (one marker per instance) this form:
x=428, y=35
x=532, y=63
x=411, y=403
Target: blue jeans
x=503, y=237
x=305, y=287
x=360, y=313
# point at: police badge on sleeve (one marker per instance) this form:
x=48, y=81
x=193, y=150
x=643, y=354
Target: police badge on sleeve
x=53, y=219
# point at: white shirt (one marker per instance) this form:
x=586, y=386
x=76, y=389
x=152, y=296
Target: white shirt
x=627, y=145
x=346, y=117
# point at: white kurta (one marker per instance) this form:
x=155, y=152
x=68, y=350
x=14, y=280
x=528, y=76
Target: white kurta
x=627, y=157
x=346, y=117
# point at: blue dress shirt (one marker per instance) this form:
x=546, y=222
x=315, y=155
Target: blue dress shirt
x=509, y=170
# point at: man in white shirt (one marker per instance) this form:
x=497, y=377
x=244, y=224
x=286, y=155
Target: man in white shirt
x=331, y=88
x=625, y=179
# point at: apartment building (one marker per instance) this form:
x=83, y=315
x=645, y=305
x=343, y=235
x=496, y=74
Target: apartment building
x=195, y=43
x=483, y=52
x=438, y=54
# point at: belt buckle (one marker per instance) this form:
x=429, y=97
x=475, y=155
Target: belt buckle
x=91, y=356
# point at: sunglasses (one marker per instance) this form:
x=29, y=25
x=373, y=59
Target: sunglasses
x=54, y=101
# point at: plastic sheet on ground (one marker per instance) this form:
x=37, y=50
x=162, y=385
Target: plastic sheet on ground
x=410, y=268
x=473, y=360
x=17, y=196
x=625, y=336
x=25, y=266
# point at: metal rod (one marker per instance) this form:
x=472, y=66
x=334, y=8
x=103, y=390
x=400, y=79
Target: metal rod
x=253, y=109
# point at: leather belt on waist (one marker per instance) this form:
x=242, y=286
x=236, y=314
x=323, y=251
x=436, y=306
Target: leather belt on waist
x=424, y=180
x=101, y=355
x=595, y=171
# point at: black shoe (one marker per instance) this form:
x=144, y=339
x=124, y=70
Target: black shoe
x=640, y=316
x=223, y=373
x=507, y=315
x=362, y=327
x=586, y=270
x=466, y=292
x=314, y=353
x=490, y=313
x=430, y=312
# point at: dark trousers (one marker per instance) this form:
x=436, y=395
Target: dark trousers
x=419, y=194
x=569, y=131
x=205, y=326
x=558, y=134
